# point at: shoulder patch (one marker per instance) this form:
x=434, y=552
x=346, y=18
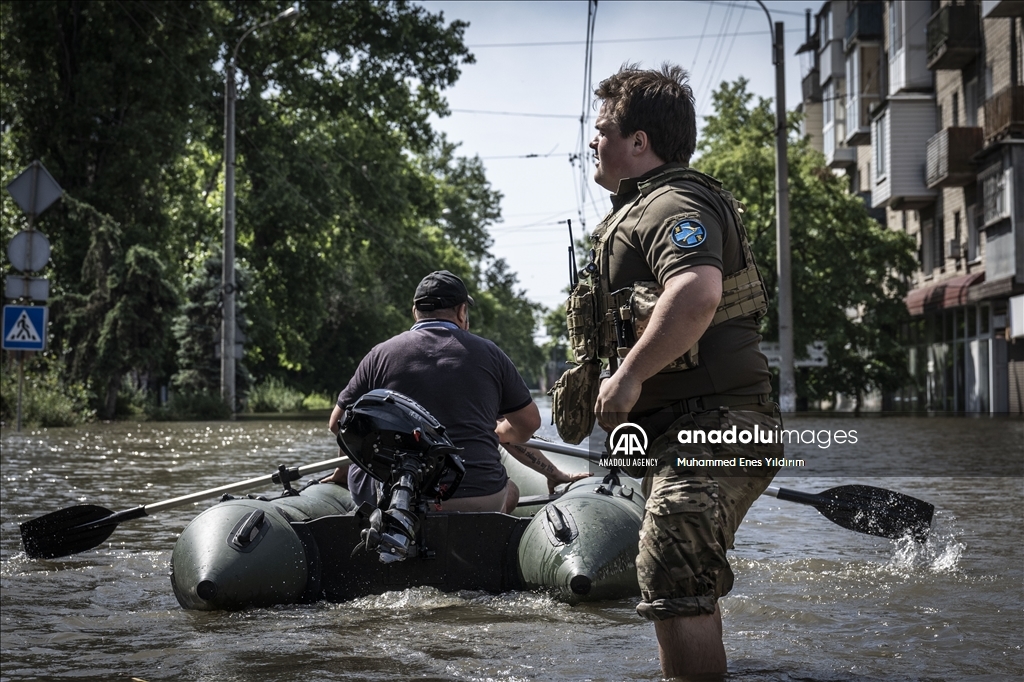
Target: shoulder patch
x=688, y=233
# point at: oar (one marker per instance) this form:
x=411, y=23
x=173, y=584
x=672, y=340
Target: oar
x=82, y=527
x=861, y=508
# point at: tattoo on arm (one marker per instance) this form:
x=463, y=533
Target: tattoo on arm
x=540, y=464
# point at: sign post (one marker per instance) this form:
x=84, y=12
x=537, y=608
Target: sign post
x=34, y=190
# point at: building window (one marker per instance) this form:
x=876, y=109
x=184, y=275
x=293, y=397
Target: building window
x=956, y=109
x=971, y=103
x=972, y=233
x=895, y=28
x=939, y=244
x=852, y=87
x=994, y=204
x=881, y=146
x=927, y=248
x=828, y=100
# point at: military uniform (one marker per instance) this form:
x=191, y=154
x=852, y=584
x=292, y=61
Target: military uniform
x=662, y=224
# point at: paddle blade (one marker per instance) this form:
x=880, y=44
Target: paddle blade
x=67, y=531
x=877, y=511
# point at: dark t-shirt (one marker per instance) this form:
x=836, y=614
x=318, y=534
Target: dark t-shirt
x=643, y=249
x=464, y=381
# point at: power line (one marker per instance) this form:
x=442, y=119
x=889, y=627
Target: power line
x=747, y=5
x=701, y=41
x=711, y=83
x=512, y=113
x=716, y=53
x=588, y=64
x=561, y=43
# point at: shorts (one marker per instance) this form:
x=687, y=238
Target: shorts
x=693, y=511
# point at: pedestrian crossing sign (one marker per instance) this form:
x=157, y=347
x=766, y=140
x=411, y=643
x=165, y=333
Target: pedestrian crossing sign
x=24, y=327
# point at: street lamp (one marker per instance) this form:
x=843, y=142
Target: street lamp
x=787, y=380
x=227, y=329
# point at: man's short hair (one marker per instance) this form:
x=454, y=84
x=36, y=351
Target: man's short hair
x=660, y=103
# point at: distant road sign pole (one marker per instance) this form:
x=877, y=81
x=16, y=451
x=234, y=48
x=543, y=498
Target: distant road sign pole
x=24, y=327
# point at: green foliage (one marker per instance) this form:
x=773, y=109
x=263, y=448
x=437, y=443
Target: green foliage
x=192, y=406
x=124, y=323
x=273, y=396
x=197, y=328
x=346, y=197
x=48, y=398
x=503, y=314
x=315, y=401
x=849, y=272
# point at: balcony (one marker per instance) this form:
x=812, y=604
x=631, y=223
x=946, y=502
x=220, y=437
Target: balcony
x=899, y=139
x=864, y=22
x=863, y=92
x=992, y=9
x=811, y=87
x=837, y=153
x=831, y=63
x=954, y=38
x=949, y=157
x=1004, y=113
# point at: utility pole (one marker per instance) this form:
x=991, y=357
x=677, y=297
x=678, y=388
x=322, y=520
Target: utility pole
x=787, y=374
x=228, y=287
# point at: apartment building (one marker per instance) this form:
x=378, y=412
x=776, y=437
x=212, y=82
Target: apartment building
x=927, y=122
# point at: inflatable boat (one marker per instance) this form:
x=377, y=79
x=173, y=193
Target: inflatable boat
x=314, y=544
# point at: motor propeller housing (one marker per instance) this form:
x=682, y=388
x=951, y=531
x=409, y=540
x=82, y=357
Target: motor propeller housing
x=397, y=442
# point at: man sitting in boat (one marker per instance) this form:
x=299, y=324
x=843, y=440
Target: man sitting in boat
x=465, y=382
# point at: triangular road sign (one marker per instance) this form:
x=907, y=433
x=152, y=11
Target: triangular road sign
x=23, y=330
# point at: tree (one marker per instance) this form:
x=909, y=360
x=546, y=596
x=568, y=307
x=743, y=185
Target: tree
x=105, y=94
x=197, y=330
x=346, y=197
x=849, y=272
x=123, y=323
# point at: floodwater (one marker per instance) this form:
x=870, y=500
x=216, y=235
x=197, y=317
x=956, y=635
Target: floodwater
x=812, y=600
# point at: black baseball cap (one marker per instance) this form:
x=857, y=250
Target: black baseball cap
x=440, y=290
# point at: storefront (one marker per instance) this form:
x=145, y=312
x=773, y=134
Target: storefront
x=956, y=350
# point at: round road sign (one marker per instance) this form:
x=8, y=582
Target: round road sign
x=29, y=251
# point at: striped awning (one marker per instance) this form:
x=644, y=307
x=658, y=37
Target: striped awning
x=950, y=293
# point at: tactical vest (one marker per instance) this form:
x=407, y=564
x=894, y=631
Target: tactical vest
x=605, y=324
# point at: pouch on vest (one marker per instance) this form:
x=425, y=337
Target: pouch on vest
x=573, y=398
x=636, y=314
x=581, y=319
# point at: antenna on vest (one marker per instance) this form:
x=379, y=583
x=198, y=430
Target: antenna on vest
x=574, y=277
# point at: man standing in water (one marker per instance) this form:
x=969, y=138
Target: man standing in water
x=675, y=276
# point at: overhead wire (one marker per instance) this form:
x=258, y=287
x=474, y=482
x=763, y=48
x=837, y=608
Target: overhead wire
x=736, y=4
x=724, y=62
x=582, y=147
x=563, y=43
x=707, y=80
x=700, y=42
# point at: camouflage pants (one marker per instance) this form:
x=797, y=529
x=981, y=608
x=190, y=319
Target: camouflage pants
x=693, y=510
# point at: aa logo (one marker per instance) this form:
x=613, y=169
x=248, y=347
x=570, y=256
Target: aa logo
x=628, y=439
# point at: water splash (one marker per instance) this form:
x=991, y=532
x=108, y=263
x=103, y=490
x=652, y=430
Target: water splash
x=940, y=553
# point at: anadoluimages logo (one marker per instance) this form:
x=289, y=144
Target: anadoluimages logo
x=628, y=440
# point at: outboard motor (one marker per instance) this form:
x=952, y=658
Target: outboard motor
x=400, y=444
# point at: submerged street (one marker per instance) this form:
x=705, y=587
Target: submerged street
x=812, y=601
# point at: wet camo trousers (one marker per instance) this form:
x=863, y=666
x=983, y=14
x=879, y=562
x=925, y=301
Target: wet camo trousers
x=693, y=511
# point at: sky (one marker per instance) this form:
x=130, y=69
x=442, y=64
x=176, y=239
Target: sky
x=518, y=107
